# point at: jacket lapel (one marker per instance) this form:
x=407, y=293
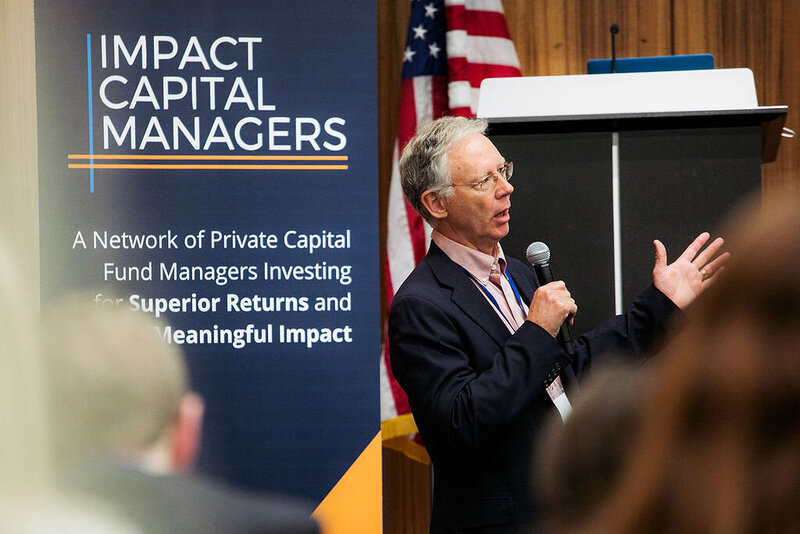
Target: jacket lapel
x=465, y=295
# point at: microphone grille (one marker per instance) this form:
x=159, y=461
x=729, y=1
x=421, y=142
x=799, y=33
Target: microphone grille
x=538, y=253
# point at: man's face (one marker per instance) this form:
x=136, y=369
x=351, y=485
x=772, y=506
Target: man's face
x=477, y=219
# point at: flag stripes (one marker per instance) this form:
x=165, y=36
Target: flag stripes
x=451, y=46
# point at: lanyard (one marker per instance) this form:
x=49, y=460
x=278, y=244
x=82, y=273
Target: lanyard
x=554, y=386
x=494, y=301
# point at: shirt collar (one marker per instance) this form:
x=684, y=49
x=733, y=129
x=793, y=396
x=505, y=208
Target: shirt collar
x=478, y=264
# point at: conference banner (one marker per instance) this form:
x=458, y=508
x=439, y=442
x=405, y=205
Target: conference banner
x=214, y=164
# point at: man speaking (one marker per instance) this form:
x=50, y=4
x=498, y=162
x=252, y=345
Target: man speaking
x=473, y=336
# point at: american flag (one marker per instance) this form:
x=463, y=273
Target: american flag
x=451, y=46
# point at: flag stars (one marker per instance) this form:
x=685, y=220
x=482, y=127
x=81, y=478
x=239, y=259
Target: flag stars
x=433, y=50
x=408, y=55
x=419, y=32
x=430, y=11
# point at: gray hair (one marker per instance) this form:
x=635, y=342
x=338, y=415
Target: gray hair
x=423, y=165
x=116, y=384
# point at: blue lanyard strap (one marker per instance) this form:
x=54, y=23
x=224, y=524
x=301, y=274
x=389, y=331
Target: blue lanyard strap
x=516, y=292
x=493, y=300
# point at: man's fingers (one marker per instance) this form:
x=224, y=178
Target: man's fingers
x=708, y=253
x=557, y=293
x=716, y=265
x=661, y=253
x=552, y=305
x=554, y=285
x=573, y=311
x=713, y=277
x=695, y=246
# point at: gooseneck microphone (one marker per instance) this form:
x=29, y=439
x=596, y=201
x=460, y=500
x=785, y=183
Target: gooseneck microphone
x=614, y=29
x=538, y=255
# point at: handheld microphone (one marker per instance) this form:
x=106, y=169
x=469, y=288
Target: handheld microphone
x=614, y=29
x=538, y=255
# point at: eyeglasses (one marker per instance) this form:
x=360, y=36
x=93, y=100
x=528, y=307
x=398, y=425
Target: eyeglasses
x=503, y=171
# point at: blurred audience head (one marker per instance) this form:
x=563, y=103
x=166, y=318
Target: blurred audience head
x=719, y=448
x=117, y=388
x=579, y=460
x=29, y=501
x=125, y=422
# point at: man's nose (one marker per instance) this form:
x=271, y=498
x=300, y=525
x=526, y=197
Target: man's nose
x=504, y=188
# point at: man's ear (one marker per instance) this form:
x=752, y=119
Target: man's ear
x=185, y=439
x=432, y=201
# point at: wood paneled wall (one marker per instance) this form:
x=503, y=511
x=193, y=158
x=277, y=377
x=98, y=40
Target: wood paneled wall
x=558, y=37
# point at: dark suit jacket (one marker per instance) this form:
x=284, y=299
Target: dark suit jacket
x=186, y=503
x=477, y=392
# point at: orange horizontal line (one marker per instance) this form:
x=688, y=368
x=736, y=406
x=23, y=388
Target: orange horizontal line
x=208, y=157
x=205, y=167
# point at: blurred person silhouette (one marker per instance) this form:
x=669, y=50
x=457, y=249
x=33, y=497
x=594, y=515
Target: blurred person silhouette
x=29, y=503
x=579, y=460
x=126, y=428
x=24, y=462
x=719, y=446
